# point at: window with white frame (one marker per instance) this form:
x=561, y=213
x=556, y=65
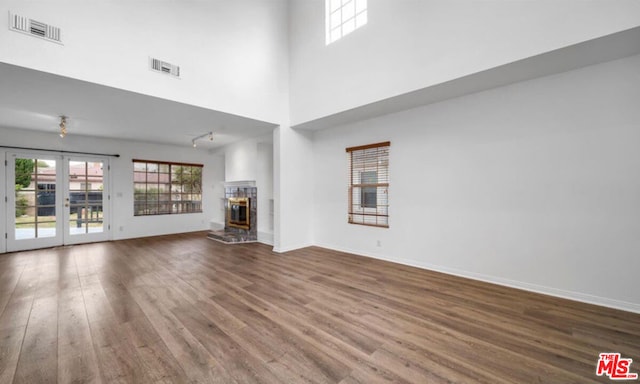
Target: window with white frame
x=343, y=17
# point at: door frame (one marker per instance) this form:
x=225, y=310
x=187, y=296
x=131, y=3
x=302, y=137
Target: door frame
x=11, y=243
x=62, y=237
x=105, y=235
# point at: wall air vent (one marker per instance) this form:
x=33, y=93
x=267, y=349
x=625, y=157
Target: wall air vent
x=164, y=67
x=34, y=28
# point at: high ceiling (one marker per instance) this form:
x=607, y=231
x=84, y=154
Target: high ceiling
x=34, y=100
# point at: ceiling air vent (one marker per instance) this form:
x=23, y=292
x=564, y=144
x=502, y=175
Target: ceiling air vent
x=34, y=28
x=164, y=67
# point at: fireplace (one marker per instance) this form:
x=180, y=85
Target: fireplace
x=238, y=212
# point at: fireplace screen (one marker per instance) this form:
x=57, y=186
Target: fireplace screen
x=238, y=212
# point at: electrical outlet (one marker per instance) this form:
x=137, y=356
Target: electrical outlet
x=121, y=228
x=379, y=243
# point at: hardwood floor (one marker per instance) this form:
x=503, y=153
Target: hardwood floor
x=182, y=308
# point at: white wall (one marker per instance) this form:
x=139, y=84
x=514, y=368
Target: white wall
x=532, y=185
x=232, y=54
x=410, y=44
x=124, y=224
x=293, y=193
x=241, y=160
x=264, y=182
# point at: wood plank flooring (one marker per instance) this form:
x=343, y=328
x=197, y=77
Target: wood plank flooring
x=184, y=309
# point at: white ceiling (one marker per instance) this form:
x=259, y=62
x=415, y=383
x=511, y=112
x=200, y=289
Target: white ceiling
x=34, y=100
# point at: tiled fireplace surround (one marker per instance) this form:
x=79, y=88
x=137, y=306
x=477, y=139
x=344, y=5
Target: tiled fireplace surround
x=239, y=235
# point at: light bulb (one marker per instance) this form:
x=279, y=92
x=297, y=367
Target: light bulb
x=63, y=126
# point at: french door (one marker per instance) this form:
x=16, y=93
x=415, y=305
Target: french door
x=56, y=200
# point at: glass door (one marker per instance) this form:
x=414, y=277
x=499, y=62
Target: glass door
x=56, y=200
x=33, y=201
x=86, y=208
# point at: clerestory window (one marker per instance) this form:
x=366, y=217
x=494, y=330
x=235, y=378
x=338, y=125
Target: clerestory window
x=343, y=17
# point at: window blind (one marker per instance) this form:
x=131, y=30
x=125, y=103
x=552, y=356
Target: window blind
x=369, y=184
x=162, y=187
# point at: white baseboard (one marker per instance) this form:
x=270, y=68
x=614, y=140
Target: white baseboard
x=551, y=291
x=289, y=248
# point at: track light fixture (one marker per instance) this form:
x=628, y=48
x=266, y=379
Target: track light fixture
x=63, y=126
x=208, y=135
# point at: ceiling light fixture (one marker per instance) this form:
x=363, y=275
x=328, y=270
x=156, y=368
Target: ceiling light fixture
x=63, y=126
x=208, y=135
